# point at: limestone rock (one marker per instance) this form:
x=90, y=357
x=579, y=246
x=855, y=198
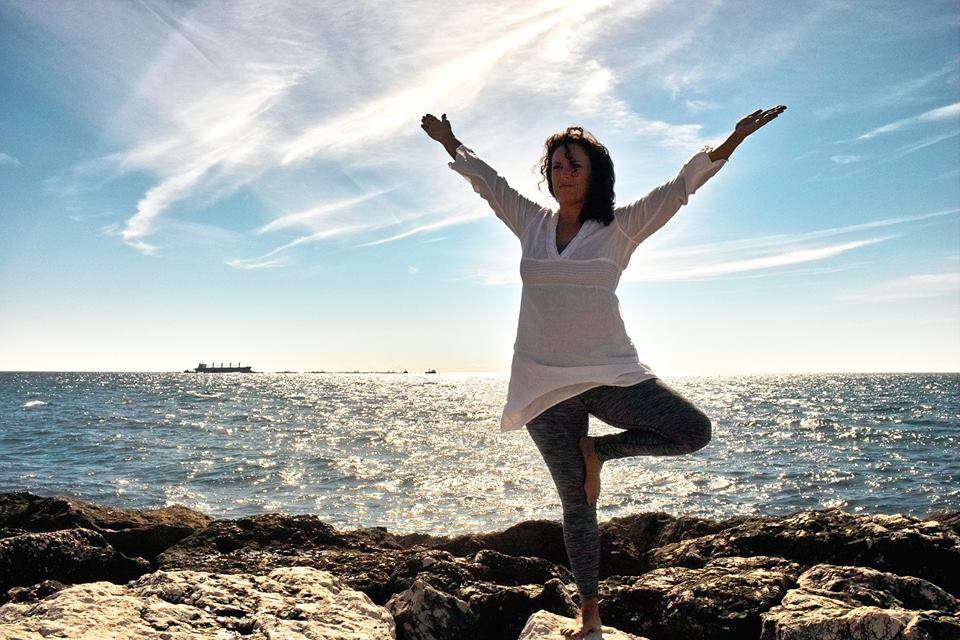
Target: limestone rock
x=133, y=532
x=448, y=572
x=492, y=566
x=35, y=592
x=946, y=518
x=502, y=610
x=856, y=603
x=544, y=625
x=363, y=559
x=624, y=541
x=531, y=539
x=899, y=544
x=292, y=603
x=424, y=613
x=722, y=600
x=501, y=590
x=68, y=556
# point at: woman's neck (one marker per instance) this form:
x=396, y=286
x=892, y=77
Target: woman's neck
x=570, y=213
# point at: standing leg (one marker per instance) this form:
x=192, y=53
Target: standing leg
x=556, y=432
x=657, y=420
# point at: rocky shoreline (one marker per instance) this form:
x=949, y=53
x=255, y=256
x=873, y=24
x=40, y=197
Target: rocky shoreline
x=73, y=569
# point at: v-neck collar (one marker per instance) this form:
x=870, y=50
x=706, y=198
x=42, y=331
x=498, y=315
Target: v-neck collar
x=552, y=237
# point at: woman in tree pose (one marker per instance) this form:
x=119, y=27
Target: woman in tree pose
x=572, y=356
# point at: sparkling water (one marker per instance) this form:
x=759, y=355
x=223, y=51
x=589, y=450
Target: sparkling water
x=418, y=452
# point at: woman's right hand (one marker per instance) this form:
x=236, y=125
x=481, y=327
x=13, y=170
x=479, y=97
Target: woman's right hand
x=439, y=130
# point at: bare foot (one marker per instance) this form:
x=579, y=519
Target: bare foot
x=591, y=485
x=588, y=621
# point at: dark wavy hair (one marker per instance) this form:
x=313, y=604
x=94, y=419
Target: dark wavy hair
x=598, y=204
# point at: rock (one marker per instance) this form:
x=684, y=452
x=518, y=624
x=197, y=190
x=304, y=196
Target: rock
x=440, y=569
x=492, y=566
x=68, y=556
x=664, y=577
x=895, y=543
x=278, y=532
x=290, y=602
x=501, y=590
x=722, y=600
x=9, y=532
x=503, y=610
x=624, y=541
x=35, y=592
x=445, y=571
x=531, y=539
x=272, y=530
x=544, y=625
x=420, y=540
x=946, y=518
x=133, y=532
x=424, y=613
x=855, y=603
x=363, y=559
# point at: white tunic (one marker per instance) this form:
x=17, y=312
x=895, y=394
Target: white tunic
x=570, y=334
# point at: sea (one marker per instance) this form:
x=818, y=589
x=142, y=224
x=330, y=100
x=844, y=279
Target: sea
x=424, y=453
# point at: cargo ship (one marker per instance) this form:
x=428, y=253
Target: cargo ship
x=203, y=368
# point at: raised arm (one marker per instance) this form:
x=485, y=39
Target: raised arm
x=641, y=218
x=514, y=209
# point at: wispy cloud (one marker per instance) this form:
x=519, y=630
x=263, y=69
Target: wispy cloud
x=83, y=217
x=912, y=287
x=446, y=222
x=255, y=263
x=896, y=94
x=325, y=234
x=916, y=146
x=455, y=80
x=9, y=161
x=655, y=271
x=215, y=98
x=235, y=96
x=190, y=232
x=355, y=225
x=317, y=215
x=846, y=159
x=783, y=239
x=779, y=273
x=945, y=113
x=757, y=255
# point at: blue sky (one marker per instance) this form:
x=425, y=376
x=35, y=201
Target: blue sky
x=189, y=181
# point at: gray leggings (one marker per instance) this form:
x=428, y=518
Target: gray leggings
x=657, y=420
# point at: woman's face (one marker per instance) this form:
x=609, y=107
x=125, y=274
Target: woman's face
x=570, y=174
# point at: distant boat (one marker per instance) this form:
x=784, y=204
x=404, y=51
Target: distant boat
x=203, y=368
x=430, y=371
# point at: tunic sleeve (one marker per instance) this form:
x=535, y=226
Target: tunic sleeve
x=640, y=219
x=511, y=207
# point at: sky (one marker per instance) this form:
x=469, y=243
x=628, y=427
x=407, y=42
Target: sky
x=245, y=181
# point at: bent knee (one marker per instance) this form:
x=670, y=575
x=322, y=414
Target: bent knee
x=700, y=430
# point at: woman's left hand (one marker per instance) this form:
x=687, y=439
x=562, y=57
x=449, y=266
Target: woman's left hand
x=757, y=119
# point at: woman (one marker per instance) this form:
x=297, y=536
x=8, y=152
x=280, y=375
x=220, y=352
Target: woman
x=572, y=356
